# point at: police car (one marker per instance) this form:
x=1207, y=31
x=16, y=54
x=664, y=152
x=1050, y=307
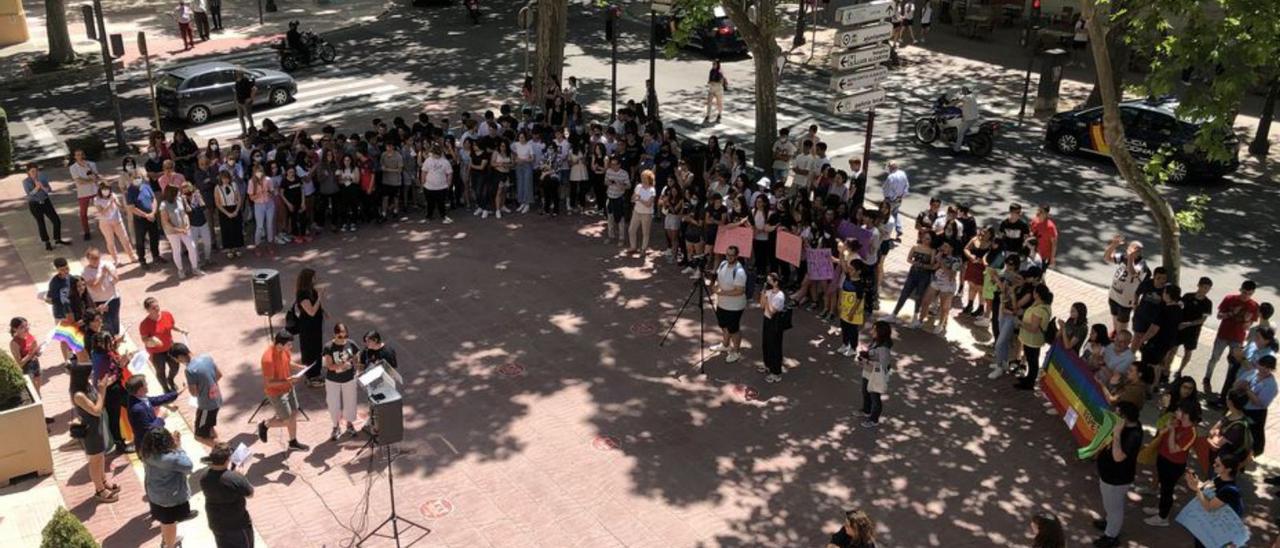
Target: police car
x=1149, y=125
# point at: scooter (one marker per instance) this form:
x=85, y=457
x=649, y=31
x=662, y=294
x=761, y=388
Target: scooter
x=944, y=122
x=320, y=51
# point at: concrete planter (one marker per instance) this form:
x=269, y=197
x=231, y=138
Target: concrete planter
x=25, y=450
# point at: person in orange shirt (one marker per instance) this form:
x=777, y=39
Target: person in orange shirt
x=277, y=381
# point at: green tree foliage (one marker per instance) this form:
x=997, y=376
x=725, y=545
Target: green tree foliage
x=65, y=531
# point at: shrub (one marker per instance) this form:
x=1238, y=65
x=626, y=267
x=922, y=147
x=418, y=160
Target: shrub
x=65, y=531
x=12, y=385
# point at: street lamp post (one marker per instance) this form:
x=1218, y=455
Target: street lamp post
x=109, y=72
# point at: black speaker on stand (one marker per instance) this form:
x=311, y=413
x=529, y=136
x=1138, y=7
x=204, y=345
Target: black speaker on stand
x=267, y=299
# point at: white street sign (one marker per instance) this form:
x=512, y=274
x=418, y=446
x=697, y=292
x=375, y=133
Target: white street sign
x=873, y=55
x=864, y=13
x=661, y=6
x=864, y=35
x=859, y=80
x=858, y=102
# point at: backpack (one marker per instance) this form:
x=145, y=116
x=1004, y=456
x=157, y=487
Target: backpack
x=291, y=320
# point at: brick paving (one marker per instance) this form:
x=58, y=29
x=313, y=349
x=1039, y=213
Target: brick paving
x=599, y=437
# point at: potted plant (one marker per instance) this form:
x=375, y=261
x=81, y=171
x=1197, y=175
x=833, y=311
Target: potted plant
x=65, y=531
x=22, y=421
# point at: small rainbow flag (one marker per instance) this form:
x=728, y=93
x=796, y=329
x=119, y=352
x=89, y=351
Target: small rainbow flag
x=1078, y=398
x=69, y=334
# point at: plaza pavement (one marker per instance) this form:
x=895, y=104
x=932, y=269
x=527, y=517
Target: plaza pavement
x=540, y=410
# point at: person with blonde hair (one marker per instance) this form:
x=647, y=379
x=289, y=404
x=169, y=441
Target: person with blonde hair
x=858, y=531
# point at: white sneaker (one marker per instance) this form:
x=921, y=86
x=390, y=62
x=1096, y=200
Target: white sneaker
x=938, y=330
x=844, y=349
x=484, y=214
x=505, y=210
x=773, y=378
x=687, y=270
x=1151, y=511
x=448, y=221
x=732, y=357
x=1155, y=521
x=718, y=347
x=997, y=371
x=478, y=211
x=198, y=272
x=762, y=369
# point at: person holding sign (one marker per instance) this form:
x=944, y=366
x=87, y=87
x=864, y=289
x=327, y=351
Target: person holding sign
x=1225, y=492
x=277, y=382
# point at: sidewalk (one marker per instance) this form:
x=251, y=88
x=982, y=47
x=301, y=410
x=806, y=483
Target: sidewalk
x=239, y=19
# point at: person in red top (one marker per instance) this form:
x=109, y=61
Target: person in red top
x=1046, y=234
x=1175, y=440
x=157, y=336
x=277, y=381
x=26, y=352
x=1236, y=313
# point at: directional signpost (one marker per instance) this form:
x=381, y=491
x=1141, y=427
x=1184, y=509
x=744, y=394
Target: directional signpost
x=860, y=71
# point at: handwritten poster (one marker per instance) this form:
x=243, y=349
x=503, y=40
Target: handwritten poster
x=1217, y=528
x=740, y=236
x=820, y=266
x=788, y=248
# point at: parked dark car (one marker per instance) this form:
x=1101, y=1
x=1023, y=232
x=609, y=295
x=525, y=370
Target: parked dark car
x=196, y=93
x=1149, y=125
x=716, y=37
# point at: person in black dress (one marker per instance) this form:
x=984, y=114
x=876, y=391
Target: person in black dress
x=310, y=311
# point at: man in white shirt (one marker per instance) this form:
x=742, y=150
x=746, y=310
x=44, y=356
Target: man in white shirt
x=731, y=299
x=436, y=175
x=783, y=150
x=802, y=167
x=202, y=19
x=895, y=189
x=183, y=15
x=968, y=116
x=86, y=176
x=100, y=276
x=617, y=183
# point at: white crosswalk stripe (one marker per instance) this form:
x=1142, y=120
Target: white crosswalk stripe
x=319, y=100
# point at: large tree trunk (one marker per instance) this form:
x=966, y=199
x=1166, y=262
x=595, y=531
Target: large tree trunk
x=1261, y=141
x=60, y=50
x=759, y=28
x=550, y=28
x=1113, y=132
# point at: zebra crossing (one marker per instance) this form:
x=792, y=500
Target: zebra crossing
x=325, y=93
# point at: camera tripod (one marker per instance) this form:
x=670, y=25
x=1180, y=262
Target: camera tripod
x=704, y=298
x=394, y=519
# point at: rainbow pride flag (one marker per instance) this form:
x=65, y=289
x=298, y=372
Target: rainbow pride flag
x=1079, y=400
x=70, y=335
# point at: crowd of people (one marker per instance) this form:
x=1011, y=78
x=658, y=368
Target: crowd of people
x=549, y=158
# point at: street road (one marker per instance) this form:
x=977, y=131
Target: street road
x=432, y=59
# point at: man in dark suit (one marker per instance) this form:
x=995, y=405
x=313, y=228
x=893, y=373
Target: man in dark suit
x=858, y=183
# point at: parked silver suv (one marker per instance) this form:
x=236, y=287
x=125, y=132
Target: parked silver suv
x=196, y=93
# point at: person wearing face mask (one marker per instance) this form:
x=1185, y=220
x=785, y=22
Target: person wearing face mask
x=201, y=231
x=262, y=192
x=111, y=222
x=142, y=203
x=228, y=201
x=177, y=229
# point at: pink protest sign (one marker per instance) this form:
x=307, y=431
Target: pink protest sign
x=788, y=248
x=734, y=235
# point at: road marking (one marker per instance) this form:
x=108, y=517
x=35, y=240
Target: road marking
x=44, y=138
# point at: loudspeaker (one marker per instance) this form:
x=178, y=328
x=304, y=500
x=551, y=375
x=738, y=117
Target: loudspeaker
x=386, y=408
x=267, y=299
